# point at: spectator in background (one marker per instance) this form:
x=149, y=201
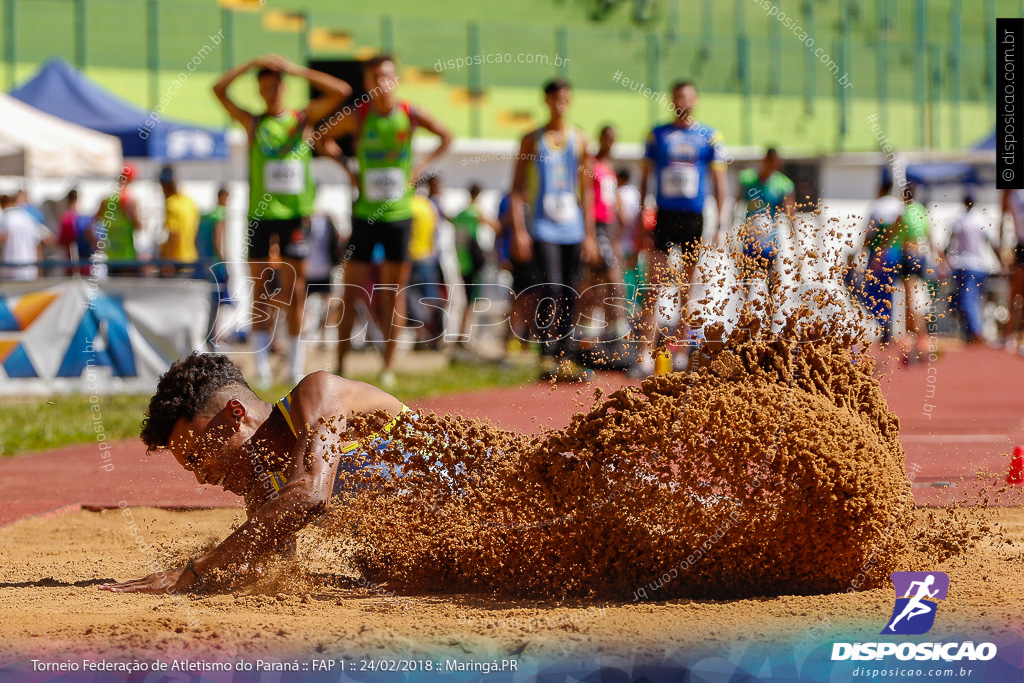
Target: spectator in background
x=553, y=176
x=282, y=193
x=1013, y=259
x=916, y=263
x=22, y=237
x=324, y=255
x=605, y=274
x=968, y=255
x=210, y=247
x=882, y=252
x=472, y=257
x=434, y=191
x=425, y=273
x=631, y=240
x=766, y=195
x=67, y=235
x=524, y=276
x=21, y=199
x=382, y=212
x=181, y=219
x=117, y=221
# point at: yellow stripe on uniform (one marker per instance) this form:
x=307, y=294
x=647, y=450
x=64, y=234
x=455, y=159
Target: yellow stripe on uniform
x=285, y=406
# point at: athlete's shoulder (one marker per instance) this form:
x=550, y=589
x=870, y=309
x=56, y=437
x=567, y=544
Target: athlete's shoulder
x=783, y=181
x=316, y=390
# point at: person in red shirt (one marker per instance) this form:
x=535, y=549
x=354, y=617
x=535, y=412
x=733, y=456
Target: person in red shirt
x=604, y=276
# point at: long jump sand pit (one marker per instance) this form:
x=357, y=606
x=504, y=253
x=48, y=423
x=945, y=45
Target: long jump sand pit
x=50, y=606
x=761, y=497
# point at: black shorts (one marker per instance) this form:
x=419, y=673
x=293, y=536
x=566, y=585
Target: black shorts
x=1018, y=255
x=524, y=276
x=291, y=235
x=681, y=228
x=393, y=235
x=318, y=286
x=606, y=252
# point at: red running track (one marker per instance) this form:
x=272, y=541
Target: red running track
x=962, y=412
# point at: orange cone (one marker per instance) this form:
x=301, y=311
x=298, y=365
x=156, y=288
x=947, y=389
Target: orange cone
x=1016, y=473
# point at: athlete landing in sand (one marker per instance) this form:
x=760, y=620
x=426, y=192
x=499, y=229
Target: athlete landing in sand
x=206, y=415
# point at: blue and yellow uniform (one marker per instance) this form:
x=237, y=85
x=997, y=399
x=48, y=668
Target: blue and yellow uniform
x=554, y=191
x=378, y=442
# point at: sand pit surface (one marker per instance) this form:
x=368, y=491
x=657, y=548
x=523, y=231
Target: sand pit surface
x=50, y=606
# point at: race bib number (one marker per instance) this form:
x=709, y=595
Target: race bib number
x=384, y=184
x=286, y=176
x=680, y=180
x=561, y=207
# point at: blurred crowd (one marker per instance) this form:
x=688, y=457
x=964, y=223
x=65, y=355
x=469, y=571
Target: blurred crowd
x=565, y=254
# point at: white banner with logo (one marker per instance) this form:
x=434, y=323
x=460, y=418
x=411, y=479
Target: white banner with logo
x=81, y=336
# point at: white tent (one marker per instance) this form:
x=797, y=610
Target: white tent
x=37, y=145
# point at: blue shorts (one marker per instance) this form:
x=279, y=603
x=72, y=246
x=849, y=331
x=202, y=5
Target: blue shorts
x=758, y=250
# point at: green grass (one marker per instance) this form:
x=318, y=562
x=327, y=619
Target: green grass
x=37, y=424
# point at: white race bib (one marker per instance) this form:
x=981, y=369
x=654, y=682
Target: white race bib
x=284, y=176
x=680, y=180
x=561, y=207
x=384, y=184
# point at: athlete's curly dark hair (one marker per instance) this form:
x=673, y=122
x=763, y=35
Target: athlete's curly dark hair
x=184, y=392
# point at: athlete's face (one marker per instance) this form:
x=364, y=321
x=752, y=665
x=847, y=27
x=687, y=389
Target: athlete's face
x=213, y=448
x=607, y=139
x=271, y=89
x=684, y=99
x=558, y=102
x=380, y=79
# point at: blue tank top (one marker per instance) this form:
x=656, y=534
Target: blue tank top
x=683, y=158
x=554, y=177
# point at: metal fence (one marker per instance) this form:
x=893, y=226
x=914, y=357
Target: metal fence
x=925, y=52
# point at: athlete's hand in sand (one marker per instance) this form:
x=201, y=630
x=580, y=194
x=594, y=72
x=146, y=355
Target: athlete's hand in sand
x=172, y=580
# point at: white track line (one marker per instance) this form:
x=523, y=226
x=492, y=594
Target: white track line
x=956, y=438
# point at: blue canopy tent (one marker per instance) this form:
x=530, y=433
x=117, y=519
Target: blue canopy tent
x=987, y=144
x=956, y=172
x=63, y=91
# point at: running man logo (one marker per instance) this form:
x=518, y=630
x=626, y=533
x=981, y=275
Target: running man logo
x=914, y=612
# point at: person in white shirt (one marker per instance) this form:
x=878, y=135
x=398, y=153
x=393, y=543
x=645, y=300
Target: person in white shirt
x=881, y=247
x=968, y=256
x=21, y=241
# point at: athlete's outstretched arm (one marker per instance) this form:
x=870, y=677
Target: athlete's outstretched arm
x=220, y=89
x=437, y=128
x=275, y=522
